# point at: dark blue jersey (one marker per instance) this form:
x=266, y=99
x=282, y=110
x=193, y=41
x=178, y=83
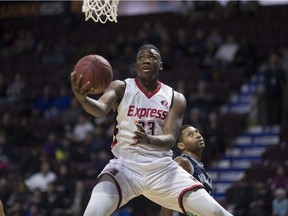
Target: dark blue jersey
x=200, y=173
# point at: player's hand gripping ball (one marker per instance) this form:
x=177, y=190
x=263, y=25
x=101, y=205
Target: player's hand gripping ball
x=95, y=69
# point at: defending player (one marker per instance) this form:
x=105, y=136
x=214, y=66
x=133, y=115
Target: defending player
x=191, y=145
x=143, y=162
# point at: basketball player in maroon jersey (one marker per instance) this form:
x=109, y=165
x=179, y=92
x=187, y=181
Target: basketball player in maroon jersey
x=149, y=117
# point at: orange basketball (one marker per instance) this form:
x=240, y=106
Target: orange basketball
x=95, y=69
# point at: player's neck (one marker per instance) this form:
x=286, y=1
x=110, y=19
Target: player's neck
x=197, y=157
x=148, y=86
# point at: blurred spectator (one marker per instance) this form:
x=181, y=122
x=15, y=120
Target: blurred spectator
x=249, y=7
x=239, y=197
x=5, y=190
x=280, y=203
x=56, y=104
x=72, y=112
x=83, y=148
x=52, y=200
x=50, y=145
x=195, y=119
x=20, y=193
x=43, y=102
x=226, y=52
x=34, y=210
x=82, y=127
x=202, y=98
x=181, y=86
x=196, y=46
x=156, y=33
x=98, y=161
x=274, y=81
x=68, y=130
x=208, y=58
x=214, y=38
x=40, y=180
x=15, y=210
x=100, y=139
x=25, y=134
x=64, y=151
x=30, y=162
x=78, y=200
x=214, y=135
x=37, y=200
x=25, y=41
x=6, y=150
x=232, y=9
x=181, y=42
x=167, y=56
x=280, y=180
x=205, y=9
x=247, y=57
x=262, y=204
x=7, y=122
x=185, y=8
x=63, y=184
x=62, y=100
x=16, y=90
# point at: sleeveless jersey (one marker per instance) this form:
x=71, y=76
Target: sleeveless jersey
x=200, y=174
x=150, y=111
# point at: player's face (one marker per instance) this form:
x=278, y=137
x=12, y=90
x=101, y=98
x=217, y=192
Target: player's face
x=192, y=139
x=148, y=64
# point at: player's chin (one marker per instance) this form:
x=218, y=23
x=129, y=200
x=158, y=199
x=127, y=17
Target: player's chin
x=201, y=144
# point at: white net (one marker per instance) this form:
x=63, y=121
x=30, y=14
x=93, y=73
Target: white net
x=100, y=10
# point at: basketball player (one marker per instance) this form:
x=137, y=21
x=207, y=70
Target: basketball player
x=149, y=118
x=191, y=145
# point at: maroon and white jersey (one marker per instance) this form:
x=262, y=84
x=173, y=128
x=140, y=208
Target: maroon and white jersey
x=148, y=109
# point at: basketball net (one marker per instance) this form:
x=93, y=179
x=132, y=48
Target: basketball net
x=100, y=10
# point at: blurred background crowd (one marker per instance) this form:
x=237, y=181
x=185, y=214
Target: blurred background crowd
x=51, y=151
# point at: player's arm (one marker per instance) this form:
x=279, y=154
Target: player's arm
x=183, y=162
x=171, y=127
x=104, y=104
x=1, y=209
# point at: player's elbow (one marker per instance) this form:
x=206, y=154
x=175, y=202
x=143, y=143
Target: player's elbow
x=171, y=142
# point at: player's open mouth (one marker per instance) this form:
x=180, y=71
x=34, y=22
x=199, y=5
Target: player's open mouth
x=146, y=69
x=201, y=142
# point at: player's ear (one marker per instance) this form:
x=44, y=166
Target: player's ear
x=161, y=66
x=180, y=145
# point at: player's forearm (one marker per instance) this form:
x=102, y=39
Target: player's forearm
x=163, y=141
x=94, y=107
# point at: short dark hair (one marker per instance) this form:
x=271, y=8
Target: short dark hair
x=149, y=46
x=180, y=136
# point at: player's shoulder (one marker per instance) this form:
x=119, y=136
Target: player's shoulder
x=179, y=98
x=181, y=159
x=178, y=94
x=118, y=86
x=184, y=162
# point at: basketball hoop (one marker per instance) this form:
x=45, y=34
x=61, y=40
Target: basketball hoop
x=100, y=10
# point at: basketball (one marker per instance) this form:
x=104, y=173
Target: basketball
x=95, y=69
